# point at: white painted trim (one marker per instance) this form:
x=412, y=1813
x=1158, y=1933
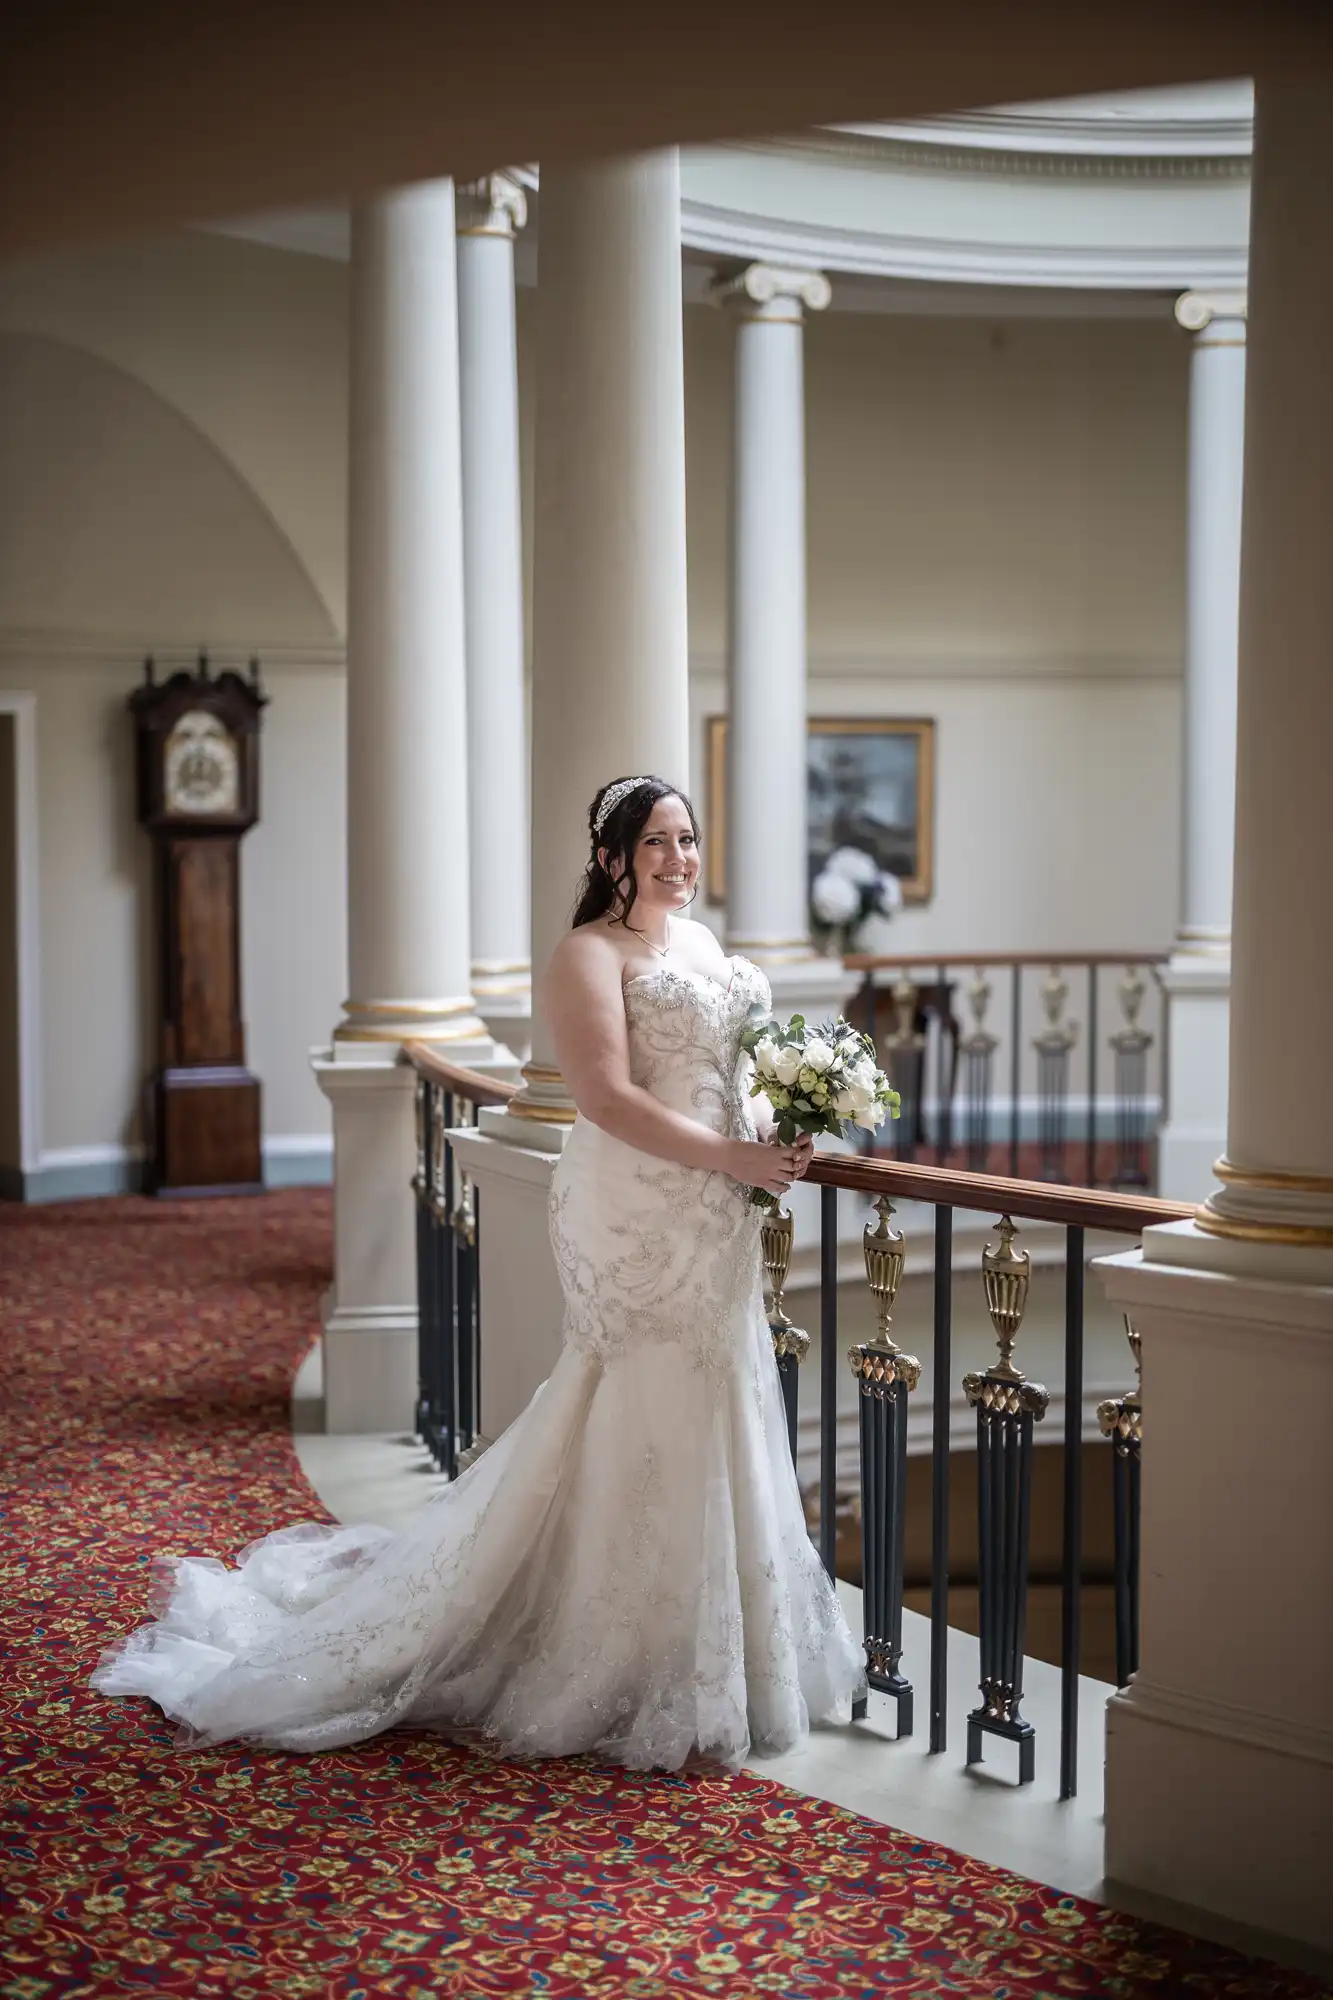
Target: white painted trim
x=49, y=646
x=725, y=232
x=1042, y=667
x=89, y=1173
x=23, y=708
x=1177, y=1708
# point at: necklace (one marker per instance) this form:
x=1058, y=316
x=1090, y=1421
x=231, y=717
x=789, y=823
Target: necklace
x=660, y=949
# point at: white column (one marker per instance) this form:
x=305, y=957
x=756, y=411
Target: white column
x=1198, y=977
x=407, y=833
x=1226, y=1723
x=610, y=694
x=490, y=211
x=766, y=862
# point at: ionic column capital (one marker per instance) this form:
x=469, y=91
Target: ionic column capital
x=493, y=206
x=773, y=292
x=1199, y=312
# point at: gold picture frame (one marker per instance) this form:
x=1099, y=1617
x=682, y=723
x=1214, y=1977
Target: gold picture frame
x=904, y=846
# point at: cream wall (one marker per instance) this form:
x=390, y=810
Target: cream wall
x=172, y=474
x=996, y=540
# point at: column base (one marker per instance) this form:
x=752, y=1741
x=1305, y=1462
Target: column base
x=370, y=1369
x=1220, y=1753
x=816, y=987
x=1200, y=1810
x=1198, y=984
x=504, y=1001
x=522, y=1304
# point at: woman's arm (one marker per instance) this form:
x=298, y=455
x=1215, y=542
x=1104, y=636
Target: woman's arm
x=585, y=1006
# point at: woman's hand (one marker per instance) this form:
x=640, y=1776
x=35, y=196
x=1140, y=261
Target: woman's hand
x=804, y=1149
x=770, y=1166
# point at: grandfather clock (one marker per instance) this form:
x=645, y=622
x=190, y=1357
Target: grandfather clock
x=198, y=782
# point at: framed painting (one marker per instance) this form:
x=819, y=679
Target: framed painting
x=870, y=784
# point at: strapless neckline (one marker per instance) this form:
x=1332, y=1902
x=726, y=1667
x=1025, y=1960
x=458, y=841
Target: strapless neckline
x=684, y=972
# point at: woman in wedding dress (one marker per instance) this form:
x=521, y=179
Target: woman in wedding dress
x=627, y=1569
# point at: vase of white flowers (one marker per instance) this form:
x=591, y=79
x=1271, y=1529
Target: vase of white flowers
x=849, y=888
x=822, y=1079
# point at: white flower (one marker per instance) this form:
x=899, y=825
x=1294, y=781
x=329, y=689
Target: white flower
x=871, y=1118
x=818, y=1055
x=766, y=1056
x=856, y=1102
x=889, y=893
x=787, y=1066
x=854, y=865
x=863, y=1076
x=836, y=900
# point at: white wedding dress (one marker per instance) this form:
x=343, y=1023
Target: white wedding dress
x=627, y=1570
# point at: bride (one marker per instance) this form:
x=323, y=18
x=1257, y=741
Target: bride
x=627, y=1569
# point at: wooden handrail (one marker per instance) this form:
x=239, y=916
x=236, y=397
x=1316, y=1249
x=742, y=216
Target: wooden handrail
x=427, y=1061
x=1034, y=1201
x=926, y=961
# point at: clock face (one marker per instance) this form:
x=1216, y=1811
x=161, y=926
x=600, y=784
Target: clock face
x=202, y=773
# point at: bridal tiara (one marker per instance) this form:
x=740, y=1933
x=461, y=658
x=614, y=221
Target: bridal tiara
x=612, y=796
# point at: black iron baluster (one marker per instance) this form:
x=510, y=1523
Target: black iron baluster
x=1015, y=1063
x=1006, y=1404
x=905, y=1063
x=943, y=1096
x=1121, y=1420
x=439, y=1290
x=791, y=1343
x=942, y=1367
x=828, y=1378
x=465, y=1264
x=446, y=1408
x=1090, y=1170
x=1071, y=1576
x=421, y=1201
x=886, y=1377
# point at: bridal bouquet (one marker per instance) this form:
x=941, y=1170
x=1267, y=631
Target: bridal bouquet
x=822, y=1079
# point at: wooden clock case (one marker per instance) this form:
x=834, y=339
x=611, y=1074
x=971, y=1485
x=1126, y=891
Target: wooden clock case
x=197, y=745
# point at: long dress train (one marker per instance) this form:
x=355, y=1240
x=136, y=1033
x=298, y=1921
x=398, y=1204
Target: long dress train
x=627, y=1569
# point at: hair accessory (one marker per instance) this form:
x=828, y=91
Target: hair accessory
x=612, y=796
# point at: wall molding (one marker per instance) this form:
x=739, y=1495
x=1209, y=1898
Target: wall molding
x=1037, y=667
x=48, y=647
x=89, y=1173
x=22, y=706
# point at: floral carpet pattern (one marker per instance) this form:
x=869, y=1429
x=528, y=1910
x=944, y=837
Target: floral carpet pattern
x=148, y=1352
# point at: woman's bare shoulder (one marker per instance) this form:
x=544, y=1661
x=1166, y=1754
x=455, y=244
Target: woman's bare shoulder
x=588, y=953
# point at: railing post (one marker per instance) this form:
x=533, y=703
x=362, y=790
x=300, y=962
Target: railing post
x=791, y=1343
x=1121, y=1419
x=1131, y=1044
x=425, y=1270
x=978, y=1050
x=1053, y=1045
x=1007, y=1405
x=886, y=1376
x=463, y=1222
x=1071, y=1581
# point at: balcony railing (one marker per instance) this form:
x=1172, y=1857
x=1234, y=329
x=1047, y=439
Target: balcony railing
x=1009, y=1407
x=448, y=1415
x=1068, y=1101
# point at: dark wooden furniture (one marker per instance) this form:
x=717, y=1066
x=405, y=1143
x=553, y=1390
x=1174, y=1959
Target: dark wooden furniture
x=198, y=794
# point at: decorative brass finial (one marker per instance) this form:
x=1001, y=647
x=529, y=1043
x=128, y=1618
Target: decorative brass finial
x=905, y=1034
x=884, y=1253
x=1059, y=1035
x=775, y=1237
x=1007, y=1274
x=979, y=1041
x=1120, y=1418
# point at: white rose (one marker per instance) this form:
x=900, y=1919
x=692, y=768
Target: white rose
x=835, y=899
x=787, y=1066
x=871, y=1118
x=863, y=1076
x=889, y=893
x=854, y=865
x=818, y=1055
x=766, y=1056
x=854, y=1102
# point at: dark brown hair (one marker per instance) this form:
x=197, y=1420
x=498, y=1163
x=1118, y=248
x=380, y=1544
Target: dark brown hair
x=610, y=886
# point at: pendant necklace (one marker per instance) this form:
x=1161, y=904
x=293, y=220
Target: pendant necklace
x=661, y=949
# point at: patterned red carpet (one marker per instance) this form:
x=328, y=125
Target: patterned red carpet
x=148, y=1351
